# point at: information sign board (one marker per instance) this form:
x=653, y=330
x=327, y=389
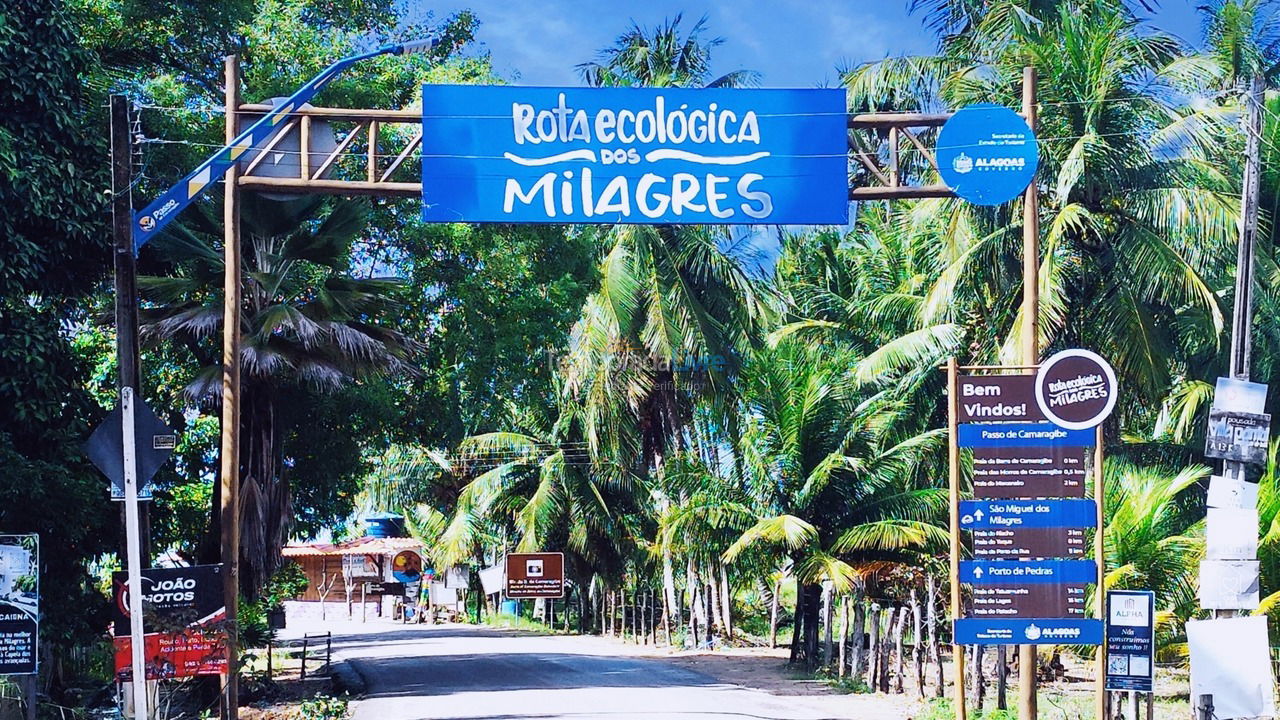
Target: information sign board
x=1029, y=543
x=1013, y=514
x=1062, y=600
x=1005, y=572
x=634, y=155
x=987, y=154
x=19, y=604
x=184, y=610
x=1028, y=631
x=997, y=398
x=1237, y=436
x=1021, y=435
x=1029, y=472
x=1130, y=640
x=535, y=575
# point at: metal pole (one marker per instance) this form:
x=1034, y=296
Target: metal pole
x=1242, y=312
x=126, y=306
x=1027, y=663
x=136, y=638
x=953, y=461
x=1100, y=559
x=230, y=478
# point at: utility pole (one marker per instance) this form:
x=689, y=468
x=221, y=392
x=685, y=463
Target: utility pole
x=1242, y=312
x=1027, y=656
x=126, y=306
x=229, y=512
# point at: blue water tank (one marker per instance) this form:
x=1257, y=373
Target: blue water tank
x=385, y=525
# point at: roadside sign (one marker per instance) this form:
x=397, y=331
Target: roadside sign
x=362, y=567
x=1061, y=600
x=1014, y=514
x=1130, y=640
x=406, y=566
x=1001, y=572
x=156, y=441
x=535, y=575
x=385, y=588
x=634, y=155
x=1028, y=631
x=1076, y=389
x=1029, y=543
x=187, y=604
x=19, y=604
x=1229, y=584
x=1021, y=435
x=1029, y=472
x=987, y=154
x=1238, y=436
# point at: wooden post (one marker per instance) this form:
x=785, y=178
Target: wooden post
x=229, y=512
x=1100, y=557
x=373, y=151
x=304, y=147
x=1027, y=661
x=953, y=460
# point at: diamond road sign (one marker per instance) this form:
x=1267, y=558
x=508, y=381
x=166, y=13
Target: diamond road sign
x=105, y=447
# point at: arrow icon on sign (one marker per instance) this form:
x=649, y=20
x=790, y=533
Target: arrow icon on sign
x=977, y=572
x=978, y=514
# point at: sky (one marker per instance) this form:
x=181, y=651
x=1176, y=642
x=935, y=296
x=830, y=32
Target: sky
x=792, y=43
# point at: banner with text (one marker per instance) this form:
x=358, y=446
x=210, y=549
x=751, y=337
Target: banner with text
x=634, y=155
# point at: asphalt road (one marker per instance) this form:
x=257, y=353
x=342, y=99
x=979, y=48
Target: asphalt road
x=449, y=672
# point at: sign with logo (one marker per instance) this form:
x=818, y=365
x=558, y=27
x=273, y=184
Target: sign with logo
x=998, y=398
x=406, y=566
x=156, y=441
x=987, y=154
x=1229, y=584
x=361, y=567
x=1062, y=600
x=1238, y=436
x=19, y=604
x=185, y=617
x=1130, y=640
x=634, y=155
x=1028, y=543
x=385, y=588
x=535, y=575
x=1076, y=389
x=1016, y=514
x=1028, y=631
x=1029, y=472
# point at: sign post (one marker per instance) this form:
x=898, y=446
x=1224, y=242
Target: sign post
x=132, y=536
x=1130, y=640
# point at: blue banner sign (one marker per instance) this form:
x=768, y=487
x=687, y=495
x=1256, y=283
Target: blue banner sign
x=987, y=154
x=1027, y=572
x=1013, y=514
x=634, y=155
x=1001, y=435
x=1130, y=640
x=1028, y=631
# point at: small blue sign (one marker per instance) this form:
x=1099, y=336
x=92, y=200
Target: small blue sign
x=987, y=154
x=1002, y=435
x=1015, y=514
x=1028, y=631
x=1130, y=640
x=1027, y=572
x=634, y=155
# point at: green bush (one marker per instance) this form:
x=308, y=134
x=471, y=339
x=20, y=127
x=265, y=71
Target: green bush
x=287, y=583
x=323, y=707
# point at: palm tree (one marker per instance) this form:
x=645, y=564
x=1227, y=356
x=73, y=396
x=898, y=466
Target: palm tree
x=307, y=325
x=831, y=476
x=661, y=56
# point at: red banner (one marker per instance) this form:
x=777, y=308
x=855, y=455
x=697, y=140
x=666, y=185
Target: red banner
x=175, y=655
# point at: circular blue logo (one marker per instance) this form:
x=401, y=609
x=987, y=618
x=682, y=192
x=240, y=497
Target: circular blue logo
x=987, y=154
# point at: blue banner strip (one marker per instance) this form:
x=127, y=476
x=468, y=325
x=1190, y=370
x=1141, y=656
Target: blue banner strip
x=1028, y=631
x=998, y=435
x=1027, y=572
x=1015, y=514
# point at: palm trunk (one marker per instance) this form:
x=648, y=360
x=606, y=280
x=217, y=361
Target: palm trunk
x=844, y=636
x=774, y=604
x=858, y=658
x=827, y=597
x=979, y=677
x=883, y=660
x=935, y=648
x=1002, y=680
x=695, y=604
x=898, y=649
x=873, y=660
x=812, y=609
x=726, y=597
x=917, y=643
x=797, y=625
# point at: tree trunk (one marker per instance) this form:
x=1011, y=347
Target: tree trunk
x=797, y=625
x=979, y=677
x=774, y=604
x=935, y=648
x=917, y=641
x=883, y=660
x=844, y=636
x=669, y=607
x=713, y=600
x=726, y=597
x=858, y=658
x=1002, y=680
x=873, y=659
x=812, y=609
x=827, y=615
x=898, y=649
x=695, y=603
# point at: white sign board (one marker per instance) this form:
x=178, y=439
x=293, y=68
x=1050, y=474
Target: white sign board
x=1230, y=661
x=1231, y=534
x=1229, y=584
x=491, y=578
x=442, y=594
x=1240, y=396
x=1230, y=493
